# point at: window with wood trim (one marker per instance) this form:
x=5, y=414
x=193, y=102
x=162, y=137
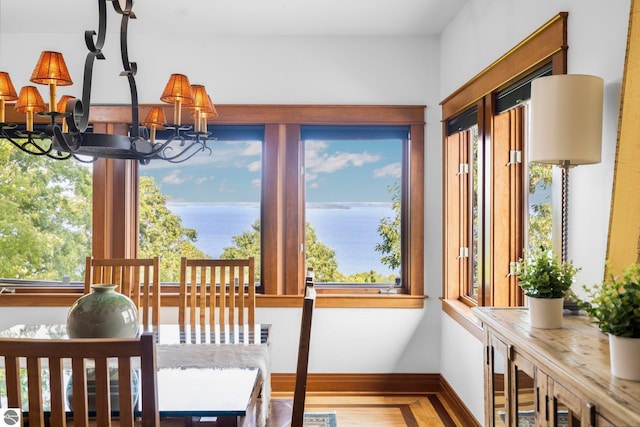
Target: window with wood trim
x=282, y=209
x=353, y=204
x=490, y=210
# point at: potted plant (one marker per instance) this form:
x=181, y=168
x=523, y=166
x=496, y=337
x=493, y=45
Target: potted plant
x=545, y=282
x=615, y=306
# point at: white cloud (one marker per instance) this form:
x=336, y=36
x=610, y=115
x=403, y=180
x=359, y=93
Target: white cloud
x=393, y=169
x=253, y=148
x=254, y=166
x=319, y=162
x=256, y=183
x=222, y=187
x=203, y=179
x=340, y=160
x=174, y=178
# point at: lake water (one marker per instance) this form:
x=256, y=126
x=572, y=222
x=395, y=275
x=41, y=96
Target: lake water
x=351, y=230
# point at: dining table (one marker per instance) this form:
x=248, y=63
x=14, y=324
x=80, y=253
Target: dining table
x=221, y=372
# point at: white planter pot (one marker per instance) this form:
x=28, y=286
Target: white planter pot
x=625, y=362
x=545, y=313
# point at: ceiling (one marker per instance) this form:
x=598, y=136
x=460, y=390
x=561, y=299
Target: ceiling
x=240, y=17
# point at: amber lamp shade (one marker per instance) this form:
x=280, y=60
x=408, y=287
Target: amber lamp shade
x=61, y=108
x=7, y=92
x=209, y=112
x=155, y=120
x=177, y=92
x=51, y=70
x=200, y=103
x=29, y=102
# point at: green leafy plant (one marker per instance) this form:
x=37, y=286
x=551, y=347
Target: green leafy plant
x=542, y=276
x=615, y=303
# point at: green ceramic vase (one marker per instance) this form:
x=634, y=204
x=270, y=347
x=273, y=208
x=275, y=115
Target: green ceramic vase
x=103, y=313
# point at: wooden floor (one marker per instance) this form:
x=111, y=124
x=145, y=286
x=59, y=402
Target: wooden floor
x=428, y=410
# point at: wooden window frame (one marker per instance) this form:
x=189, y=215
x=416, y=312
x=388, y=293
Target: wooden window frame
x=115, y=186
x=546, y=45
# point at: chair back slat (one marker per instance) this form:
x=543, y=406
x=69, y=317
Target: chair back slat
x=48, y=360
x=34, y=386
x=56, y=385
x=137, y=278
x=217, y=292
x=12, y=378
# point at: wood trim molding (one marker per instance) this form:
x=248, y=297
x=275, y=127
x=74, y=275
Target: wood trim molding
x=415, y=200
x=266, y=114
x=379, y=384
x=530, y=53
x=459, y=408
x=65, y=297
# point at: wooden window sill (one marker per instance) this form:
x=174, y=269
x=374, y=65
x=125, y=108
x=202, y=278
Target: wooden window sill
x=66, y=297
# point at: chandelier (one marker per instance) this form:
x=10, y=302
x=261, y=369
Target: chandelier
x=67, y=133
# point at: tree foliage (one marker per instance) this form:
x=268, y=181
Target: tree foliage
x=246, y=245
x=318, y=255
x=321, y=257
x=162, y=233
x=45, y=216
x=540, y=181
x=389, y=230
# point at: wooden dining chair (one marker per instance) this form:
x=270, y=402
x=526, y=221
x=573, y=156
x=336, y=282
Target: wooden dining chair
x=300, y=391
x=47, y=363
x=233, y=299
x=137, y=278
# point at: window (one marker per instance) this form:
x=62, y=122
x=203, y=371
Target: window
x=353, y=208
x=270, y=154
x=281, y=190
x=495, y=202
x=207, y=206
x=45, y=206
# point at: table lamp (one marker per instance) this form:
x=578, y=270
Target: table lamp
x=566, y=127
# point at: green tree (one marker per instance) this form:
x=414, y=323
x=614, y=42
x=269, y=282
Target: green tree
x=540, y=180
x=389, y=230
x=318, y=255
x=162, y=233
x=246, y=245
x=370, y=276
x=45, y=216
x=321, y=257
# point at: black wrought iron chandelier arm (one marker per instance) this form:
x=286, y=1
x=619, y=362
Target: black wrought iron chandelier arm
x=129, y=68
x=27, y=144
x=188, y=152
x=80, y=115
x=184, y=150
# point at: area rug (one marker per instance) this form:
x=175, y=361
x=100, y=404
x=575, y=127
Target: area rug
x=528, y=418
x=324, y=419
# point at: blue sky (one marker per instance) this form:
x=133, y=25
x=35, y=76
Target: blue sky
x=336, y=171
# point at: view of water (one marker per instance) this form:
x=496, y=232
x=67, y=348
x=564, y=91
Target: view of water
x=351, y=230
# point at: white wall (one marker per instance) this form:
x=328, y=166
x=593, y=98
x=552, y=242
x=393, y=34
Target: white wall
x=482, y=32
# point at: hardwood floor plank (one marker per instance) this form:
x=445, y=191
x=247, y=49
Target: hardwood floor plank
x=397, y=410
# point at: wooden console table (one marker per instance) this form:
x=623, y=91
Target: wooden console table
x=551, y=377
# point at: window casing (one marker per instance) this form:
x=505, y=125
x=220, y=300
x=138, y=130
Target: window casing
x=353, y=188
x=485, y=202
x=115, y=195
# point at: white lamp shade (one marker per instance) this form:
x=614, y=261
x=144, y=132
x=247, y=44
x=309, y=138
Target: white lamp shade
x=566, y=119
